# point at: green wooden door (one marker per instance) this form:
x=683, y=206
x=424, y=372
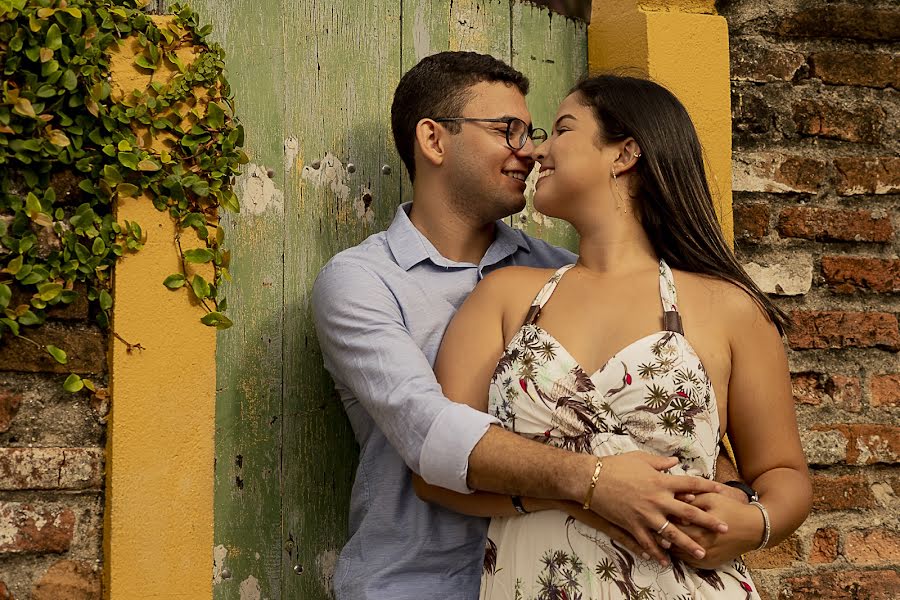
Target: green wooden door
x=313, y=82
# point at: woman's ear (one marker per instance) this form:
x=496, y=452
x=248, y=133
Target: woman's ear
x=430, y=137
x=629, y=154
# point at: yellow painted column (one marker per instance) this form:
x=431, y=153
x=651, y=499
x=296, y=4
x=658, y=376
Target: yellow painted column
x=683, y=45
x=158, y=533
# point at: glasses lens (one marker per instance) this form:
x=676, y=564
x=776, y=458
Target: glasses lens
x=538, y=135
x=516, y=133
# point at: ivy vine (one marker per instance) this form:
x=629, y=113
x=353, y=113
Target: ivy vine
x=70, y=148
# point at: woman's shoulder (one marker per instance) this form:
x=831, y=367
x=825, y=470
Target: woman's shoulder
x=725, y=300
x=518, y=278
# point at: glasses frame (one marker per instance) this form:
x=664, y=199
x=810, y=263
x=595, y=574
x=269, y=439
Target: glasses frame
x=529, y=130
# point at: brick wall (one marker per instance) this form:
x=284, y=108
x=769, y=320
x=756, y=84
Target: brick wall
x=816, y=112
x=51, y=463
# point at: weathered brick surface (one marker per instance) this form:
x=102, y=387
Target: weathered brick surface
x=815, y=118
x=830, y=121
x=837, y=390
x=835, y=225
x=885, y=391
x=26, y=528
x=782, y=555
x=5, y=594
x=9, y=408
x=878, y=546
x=824, y=546
x=85, y=347
x=68, y=579
x=843, y=585
x=844, y=492
x=848, y=274
x=50, y=468
x=857, y=176
x=751, y=221
x=837, y=329
x=872, y=69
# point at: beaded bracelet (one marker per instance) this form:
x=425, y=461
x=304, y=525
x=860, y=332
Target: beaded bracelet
x=768, y=527
x=594, y=478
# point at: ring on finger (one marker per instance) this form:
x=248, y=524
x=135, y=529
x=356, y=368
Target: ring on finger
x=662, y=527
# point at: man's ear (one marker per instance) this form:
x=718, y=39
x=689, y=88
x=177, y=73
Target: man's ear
x=431, y=138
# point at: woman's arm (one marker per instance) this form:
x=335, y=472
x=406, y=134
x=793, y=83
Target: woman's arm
x=763, y=431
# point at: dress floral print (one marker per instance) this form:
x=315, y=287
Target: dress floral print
x=653, y=395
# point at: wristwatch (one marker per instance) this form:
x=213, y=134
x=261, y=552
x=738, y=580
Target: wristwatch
x=752, y=495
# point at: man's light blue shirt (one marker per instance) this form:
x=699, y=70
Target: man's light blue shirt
x=381, y=309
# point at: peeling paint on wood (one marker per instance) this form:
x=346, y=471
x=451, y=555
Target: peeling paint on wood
x=249, y=589
x=325, y=564
x=257, y=191
x=220, y=552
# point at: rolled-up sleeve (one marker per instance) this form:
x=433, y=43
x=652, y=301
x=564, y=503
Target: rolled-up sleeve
x=368, y=350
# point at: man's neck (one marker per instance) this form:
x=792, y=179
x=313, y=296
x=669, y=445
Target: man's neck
x=455, y=237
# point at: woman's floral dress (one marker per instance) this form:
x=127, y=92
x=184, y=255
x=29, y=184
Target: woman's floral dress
x=653, y=395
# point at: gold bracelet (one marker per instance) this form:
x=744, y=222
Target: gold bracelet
x=594, y=478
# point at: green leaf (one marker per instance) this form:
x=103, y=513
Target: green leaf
x=57, y=354
x=215, y=116
x=147, y=165
x=5, y=295
x=198, y=255
x=129, y=159
x=83, y=254
x=13, y=266
x=217, y=320
x=49, y=291
x=174, y=281
x=127, y=189
x=13, y=326
x=54, y=37
x=200, y=287
x=28, y=318
x=124, y=146
x=105, y=300
x=69, y=80
x=143, y=62
x=99, y=246
x=73, y=383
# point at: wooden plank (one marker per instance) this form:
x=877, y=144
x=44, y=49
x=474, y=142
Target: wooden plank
x=552, y=51
x=247, y=540
x=341, y=66
x=439, y=25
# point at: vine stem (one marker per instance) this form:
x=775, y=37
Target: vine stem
x=184, y=271
x=129, y=347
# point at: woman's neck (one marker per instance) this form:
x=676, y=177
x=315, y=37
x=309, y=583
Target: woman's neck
x=616, y=244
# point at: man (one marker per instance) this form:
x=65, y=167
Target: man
x=463, y=130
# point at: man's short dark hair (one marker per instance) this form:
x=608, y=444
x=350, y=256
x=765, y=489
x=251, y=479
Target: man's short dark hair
x=438, y=86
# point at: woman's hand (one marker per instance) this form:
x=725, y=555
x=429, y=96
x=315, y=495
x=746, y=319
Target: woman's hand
x=745, y=531
x=633, y=494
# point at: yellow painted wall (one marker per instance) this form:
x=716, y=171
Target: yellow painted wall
x=158, y=533
x=684, y=46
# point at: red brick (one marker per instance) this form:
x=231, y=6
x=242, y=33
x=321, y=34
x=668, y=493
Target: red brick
x=9, y=407
x=868, y=443
x=70, y=580
x=872, y=69
x=782, y=555
x=878, y=175
x=845, y=492
x=51, y=468
x=751, y=221
x=835, y=225
x=843, y=21
x=754, y=61
x=824, y=546
x=778, y=173
x=843, y=585
x=5, y=594
x=28, y=529
x=872, y=547
x=835, y=329
x=847, y=274
x=85, y=347
x=839, y=390
x=827, y=120
x=885, y=391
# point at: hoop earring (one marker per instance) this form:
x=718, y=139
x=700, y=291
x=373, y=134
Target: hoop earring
x=618, y=192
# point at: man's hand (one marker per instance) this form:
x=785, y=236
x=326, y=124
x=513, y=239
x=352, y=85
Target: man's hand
x=633, y=494
x=745, y=530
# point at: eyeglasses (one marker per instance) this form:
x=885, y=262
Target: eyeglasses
x=517, y=132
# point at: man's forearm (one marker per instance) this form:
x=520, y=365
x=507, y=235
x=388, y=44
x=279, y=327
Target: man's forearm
x=506, y=463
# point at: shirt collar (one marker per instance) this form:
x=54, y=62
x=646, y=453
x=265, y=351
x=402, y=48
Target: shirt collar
x=410, y=247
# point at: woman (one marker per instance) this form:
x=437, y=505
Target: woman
x=655, y=341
